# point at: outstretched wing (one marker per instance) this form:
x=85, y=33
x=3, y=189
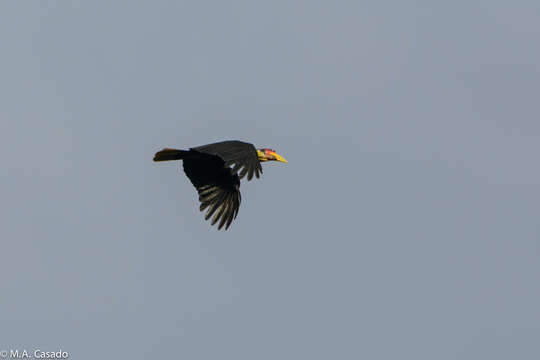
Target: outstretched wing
x=240, y=156
x=217, y=185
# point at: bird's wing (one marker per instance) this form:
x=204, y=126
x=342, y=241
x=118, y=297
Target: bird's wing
x=217, y=185
x=240, y=156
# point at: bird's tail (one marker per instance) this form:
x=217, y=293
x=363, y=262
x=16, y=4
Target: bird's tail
x=169, y=154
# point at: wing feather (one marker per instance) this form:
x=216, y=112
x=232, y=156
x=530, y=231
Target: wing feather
x=217, y=185
x=241, y=156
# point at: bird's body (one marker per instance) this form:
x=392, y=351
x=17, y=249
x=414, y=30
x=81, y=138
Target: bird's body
x=216, y=169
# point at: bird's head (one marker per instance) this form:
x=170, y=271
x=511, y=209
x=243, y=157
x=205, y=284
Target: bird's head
x=269, y=155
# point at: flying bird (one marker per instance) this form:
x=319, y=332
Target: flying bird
x=216, y=169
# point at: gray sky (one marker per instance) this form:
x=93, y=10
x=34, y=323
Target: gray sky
x=405, y=226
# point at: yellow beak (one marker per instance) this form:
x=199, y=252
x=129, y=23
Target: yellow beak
x=279, y=157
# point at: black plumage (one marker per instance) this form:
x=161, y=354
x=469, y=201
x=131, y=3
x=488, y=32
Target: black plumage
x=240, y=155
x=215, y=170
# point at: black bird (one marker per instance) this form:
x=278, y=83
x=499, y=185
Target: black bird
x=216, y=169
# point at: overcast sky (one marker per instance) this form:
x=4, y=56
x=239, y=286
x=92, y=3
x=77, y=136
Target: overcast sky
x=405, y=225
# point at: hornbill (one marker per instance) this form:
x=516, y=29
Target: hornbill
x=216, y=169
